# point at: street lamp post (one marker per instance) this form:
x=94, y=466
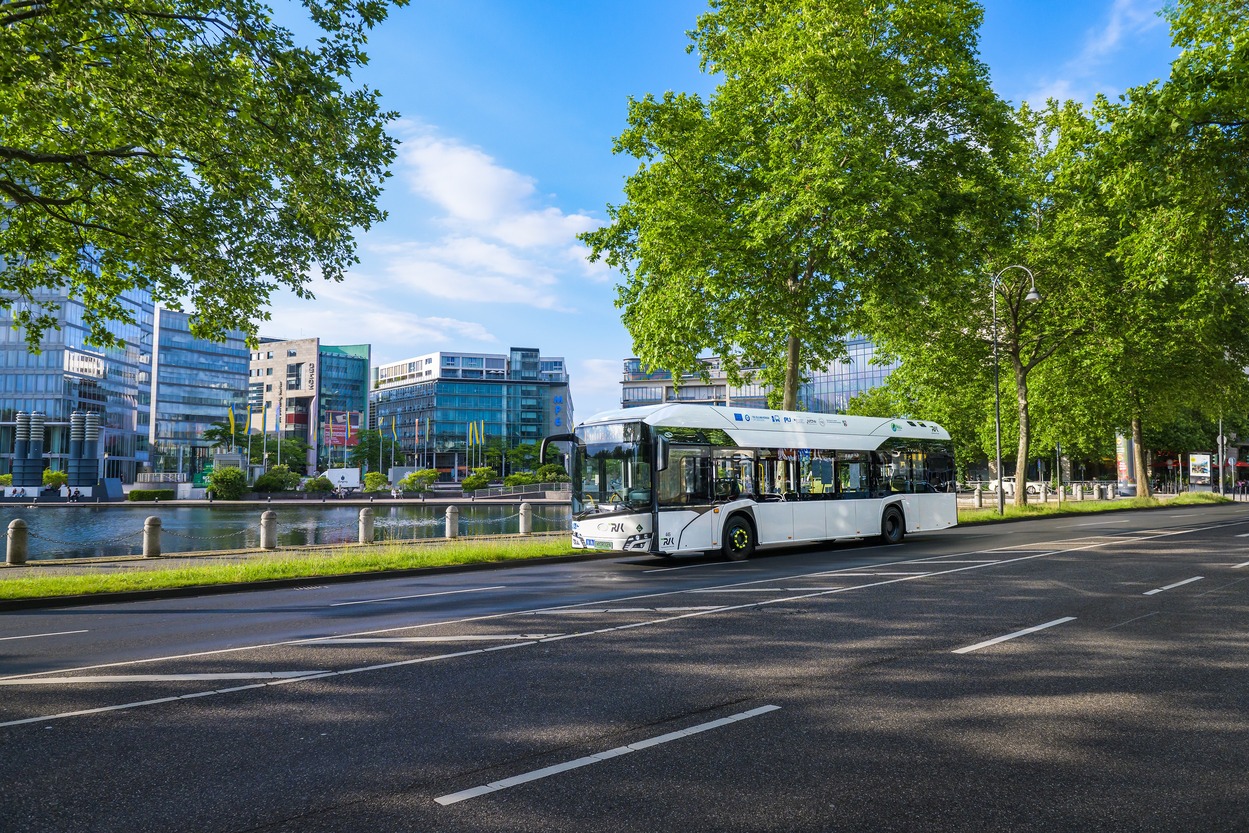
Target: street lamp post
x=1032, y=296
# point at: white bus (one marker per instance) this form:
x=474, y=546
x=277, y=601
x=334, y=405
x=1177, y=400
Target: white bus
x=683, y=479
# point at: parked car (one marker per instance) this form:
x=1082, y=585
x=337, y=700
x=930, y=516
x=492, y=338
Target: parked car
x=1033, y=487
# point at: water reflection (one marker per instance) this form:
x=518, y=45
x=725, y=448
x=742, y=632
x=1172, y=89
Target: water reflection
x=89, y=531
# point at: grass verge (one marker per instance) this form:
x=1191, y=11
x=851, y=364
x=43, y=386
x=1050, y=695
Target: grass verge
x=331, y=563
x=1084, y=507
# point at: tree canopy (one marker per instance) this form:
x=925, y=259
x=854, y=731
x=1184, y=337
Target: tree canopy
x=190, y=149
x=832, y=163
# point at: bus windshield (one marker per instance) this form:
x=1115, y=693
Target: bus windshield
x=611, y=469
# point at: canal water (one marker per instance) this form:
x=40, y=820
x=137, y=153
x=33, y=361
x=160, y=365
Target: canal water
x=84, y=531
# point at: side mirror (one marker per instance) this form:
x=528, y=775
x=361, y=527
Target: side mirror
x=661, y=453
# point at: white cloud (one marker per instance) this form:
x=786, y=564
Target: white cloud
x=463, y=181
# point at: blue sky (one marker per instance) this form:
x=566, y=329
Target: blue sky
x=507, y=113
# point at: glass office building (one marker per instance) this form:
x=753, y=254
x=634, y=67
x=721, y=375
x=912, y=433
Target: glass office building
x=196, y=383
x=442, y=404
x=67, y=375
x=826, y=392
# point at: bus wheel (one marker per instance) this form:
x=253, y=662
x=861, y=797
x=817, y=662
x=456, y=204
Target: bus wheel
x=892, y=525
x=739, y=539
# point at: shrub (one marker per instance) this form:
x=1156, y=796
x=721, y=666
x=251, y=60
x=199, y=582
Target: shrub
x=419, y=481
x=319, y=484
x=277, y=479
x=375, y=481
x=552, y=473
x=151, y=494
x=54, y=479
x=6, y=480
x=228, y=483
x=520, y=478
x=479, y=479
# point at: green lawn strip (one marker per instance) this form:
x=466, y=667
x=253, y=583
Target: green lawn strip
x=1084, y=507
x=331, y=563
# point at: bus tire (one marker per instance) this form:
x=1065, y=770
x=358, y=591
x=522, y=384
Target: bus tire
x=892, y=525
x=739, y=539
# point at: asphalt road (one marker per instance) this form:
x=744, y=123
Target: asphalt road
x=1081, y=674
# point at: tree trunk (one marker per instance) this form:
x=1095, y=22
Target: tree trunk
x=793, y=353
x=1138, y=460
x=1021, y=458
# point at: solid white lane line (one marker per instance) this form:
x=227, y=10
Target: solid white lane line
x=1014, y=635
x=886, y=574
x=35, y=635
x=768, y=589
x=556, y=769
x=1243, y=535
x=369, y=640
x=1172, y=586
x=1238, y=566
x=161, y=678
x=951, y=561
x=1099, y=523
x=419, y=596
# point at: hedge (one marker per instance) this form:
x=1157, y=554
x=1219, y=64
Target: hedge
x=151, y=494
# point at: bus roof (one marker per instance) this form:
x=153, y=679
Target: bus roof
x=760, y=428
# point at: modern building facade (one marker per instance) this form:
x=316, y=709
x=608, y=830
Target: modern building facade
x=67, y=375
x=827, y=392
x=304, y=389
x=441, y=405
x=196, y=383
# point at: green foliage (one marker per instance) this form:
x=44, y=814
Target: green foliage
x=228, y=483
x=53, y=479
x=375, y=481
x=277, y=479
x=833, y=163
x=218, y=433
x=522, y=478
x=552, y=473
x=294, y=452
x=6, y=479
x=151, y=494
x=419, y=481
x=320, y=484
x=479, y=479
x=364, y=453
x=192, y=150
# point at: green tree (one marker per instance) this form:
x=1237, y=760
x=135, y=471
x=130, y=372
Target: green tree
x=54, y=479
x=552, y=473
x=193, y=150
x=277, y=479
x=294, y=452
x=420, y=481
x=1040, y=234
x=832, y=163
x=318, y=485
x=1172, y=172
x=479, y=479
x=219, y=434
x=375, y=481
x=373, y=449
x=227, y=483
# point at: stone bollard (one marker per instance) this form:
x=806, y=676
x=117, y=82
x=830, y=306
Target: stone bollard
x=1059, y=493
x=1045, y=493
x=19, y=546
x=269, y=530
x=151, y=537
x=979, y=495
x=1077, y=491
x=453, y=521
x=366, y=525
x=526, y=519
